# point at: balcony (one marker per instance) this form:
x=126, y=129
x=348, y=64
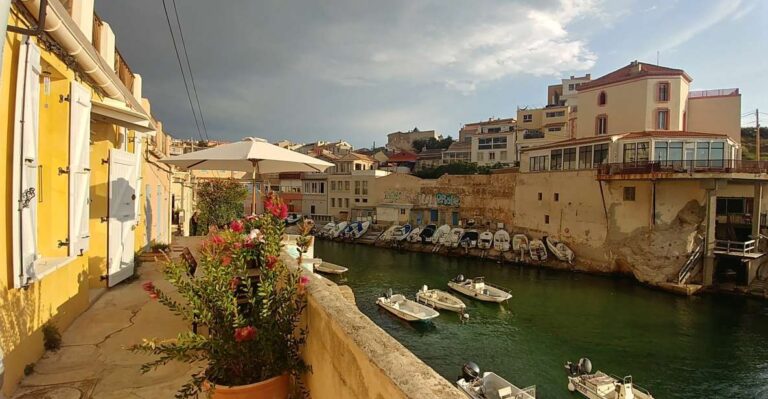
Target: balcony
x=124, y=71
x=533, y=134
x=713, y=93
x=720, y=168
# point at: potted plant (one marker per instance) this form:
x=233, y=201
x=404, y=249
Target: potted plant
x=251, y=348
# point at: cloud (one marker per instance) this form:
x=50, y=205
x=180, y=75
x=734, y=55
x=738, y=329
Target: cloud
x=712, y=16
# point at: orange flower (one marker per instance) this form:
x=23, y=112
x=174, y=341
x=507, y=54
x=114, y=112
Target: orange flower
x=243, y=334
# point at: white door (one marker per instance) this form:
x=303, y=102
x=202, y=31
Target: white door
x=122, y=215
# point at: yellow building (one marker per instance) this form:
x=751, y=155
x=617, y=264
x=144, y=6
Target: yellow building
x=76, y=131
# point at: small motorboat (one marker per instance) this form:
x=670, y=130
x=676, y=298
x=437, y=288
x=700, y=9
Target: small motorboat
x=538, y=250
x=400, y=233
x=486, y=240
x=326, y=230
x=405, y=308
x=329, y=268
x=490, y=385
x=414, y=235
x=440, y=300
x=387, y=234
x=440, y=234
x=336, y=232
x=601, y=385
x=469, y=239
x=427, y=233
x=292, y=218
x=454, y=237
x=560, y=250
x=362, y=228
x=501, y=240
x=347, y=232
x=479, y=289
x=520, y=243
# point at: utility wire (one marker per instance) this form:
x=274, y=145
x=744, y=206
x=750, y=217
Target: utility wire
x=189, y=68
x=183, y=76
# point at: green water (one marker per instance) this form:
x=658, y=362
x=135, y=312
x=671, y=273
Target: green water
x=677, y=347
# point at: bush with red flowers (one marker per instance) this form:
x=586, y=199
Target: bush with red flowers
x=253, y=331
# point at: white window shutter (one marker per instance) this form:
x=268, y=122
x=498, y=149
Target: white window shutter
x=25, y=163
x=79, y=169
x=137, y=144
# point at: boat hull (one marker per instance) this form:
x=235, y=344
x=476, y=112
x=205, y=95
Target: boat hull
x=477, y=295
x=437, y=303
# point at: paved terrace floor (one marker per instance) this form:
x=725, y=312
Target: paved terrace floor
x=92, y=361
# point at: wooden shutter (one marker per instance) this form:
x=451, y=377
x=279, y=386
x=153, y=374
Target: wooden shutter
x=79, y=169
x=137, y=148
x=25, y=163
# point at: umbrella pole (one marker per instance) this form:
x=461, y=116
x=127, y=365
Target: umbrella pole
x=253, y=193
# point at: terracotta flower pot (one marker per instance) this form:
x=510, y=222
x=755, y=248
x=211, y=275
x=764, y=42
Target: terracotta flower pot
x=273, y=388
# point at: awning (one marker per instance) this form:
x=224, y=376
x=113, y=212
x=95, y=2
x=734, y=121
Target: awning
x=111, y=111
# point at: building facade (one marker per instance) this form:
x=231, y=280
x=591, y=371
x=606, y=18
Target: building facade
x=403, y=141
x=494, y=142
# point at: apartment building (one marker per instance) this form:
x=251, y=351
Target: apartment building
x=349, y=194
x=314, y=201
x=459, y=151
x=429, y=159
x=493, y=141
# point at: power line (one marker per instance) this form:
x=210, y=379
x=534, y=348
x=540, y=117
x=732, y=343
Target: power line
x=189, y=68
x=181, y=68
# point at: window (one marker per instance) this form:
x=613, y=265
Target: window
x=365, y=187
x=503, y=156
x=601, y=125
x=333, y=185
x=357, y=187
x=365, y=200
x=528, y=118
x=557, y=159
x=357, y=199
x=600, y=154
x=585, y=157
x=546, y=219
x=676, y=151
x=540, y=196
x=635, y=152
x=660, y=149
x=571, y=86
x=663, y=92
x=602, y=98
x=662, y=119
x=538, y=163
x=702, y=153
x=716, y=154
x=557, y=197
x=554, y=129
x=492, y=143
x=333, y=202
x=491, y=156
x=402, y=211
x=555, y=114
x=629, y=193
x=569, y=158
x=731, y=205
x=322, y=187
x=494, y=130
x=346, y=202
x=346, y=185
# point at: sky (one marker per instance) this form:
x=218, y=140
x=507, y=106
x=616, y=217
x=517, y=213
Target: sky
x=358, y=70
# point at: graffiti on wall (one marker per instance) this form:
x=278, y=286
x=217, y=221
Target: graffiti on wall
x=447, y=199
x=393, y=196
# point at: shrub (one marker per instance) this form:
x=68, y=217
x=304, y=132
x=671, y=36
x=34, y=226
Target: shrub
x=51, y=337
x=218, y=202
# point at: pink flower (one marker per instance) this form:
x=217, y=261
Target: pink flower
x=271, y=262
x=236, y=226
x=217, y=240
x=303, y=281
x=226, y=260
x=249, y=243
x=237, y=245
x=256, y=235
x=243, y=334
x=153, y=295
x=148, y=286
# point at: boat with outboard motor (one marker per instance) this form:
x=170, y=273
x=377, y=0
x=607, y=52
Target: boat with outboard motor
x=520, y=243
x=414, y=236
x=559, y=249
x=441, y=234
x=490, y=385
x=477, y=288
x=347, y=232
x=293, y=218
x=387, y=234
x=336, y=232
x=360, y=229
x=486, y=240
x=600, y=385
x=405, y=308
x=538, y=250
x=454, y=237
x=501, y=240
x=400, y=233
x=426, y=233
x=469, y=239
x=325, y=231
x=440, y=300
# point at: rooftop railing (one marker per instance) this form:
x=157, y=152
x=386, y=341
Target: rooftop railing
x=691, y=166
x=124, y=71
x=713, y=93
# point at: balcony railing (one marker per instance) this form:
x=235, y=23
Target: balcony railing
x=693, y=166
x=713, y=93
x=124, y=71
x=96, y=34
x=736, y=247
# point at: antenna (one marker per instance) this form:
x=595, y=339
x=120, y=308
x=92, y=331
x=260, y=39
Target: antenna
x=657, y=57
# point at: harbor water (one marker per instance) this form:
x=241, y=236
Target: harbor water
x=676, y=347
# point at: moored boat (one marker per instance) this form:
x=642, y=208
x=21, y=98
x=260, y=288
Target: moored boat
x=405, y=308
x=387, y=234
x=479, y=289
x=400, y=233
x=347, y=232
x=501, y=240
x=520, y=243
x=440, y=299
x=414, y=235
x=336, y=232
x=469, y=239
x=292, y=218
x=326, y=230
x=486, y=240
x=490, y=385
x=362, y=228
x=330, y=268
x=454, y=237
x=538, y=250
x=441, y=234
x=426, y=233
x=600, y=385
x=559, y=249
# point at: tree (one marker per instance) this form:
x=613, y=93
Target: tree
x=432, y=143
x=748, y=143
x=219, y=202
x=457, y=168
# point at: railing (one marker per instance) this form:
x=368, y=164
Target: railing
x=693, y=261
x=693, y=166
x=96, y=34
x=123, y=71
x=533, y=134
x=713, y=93
x=736, y=247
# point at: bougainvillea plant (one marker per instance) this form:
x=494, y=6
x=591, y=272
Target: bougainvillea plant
x=249, y=318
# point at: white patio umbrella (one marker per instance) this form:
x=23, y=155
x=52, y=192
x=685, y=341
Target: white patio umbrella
x=253, y=155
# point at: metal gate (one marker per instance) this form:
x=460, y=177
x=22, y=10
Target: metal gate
x=122, y=215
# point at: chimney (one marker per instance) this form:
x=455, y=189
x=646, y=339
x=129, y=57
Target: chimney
x=589, y=76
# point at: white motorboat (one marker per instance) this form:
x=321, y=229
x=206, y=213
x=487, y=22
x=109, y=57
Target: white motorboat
x=440, y=299
x=440, y=234
x=387, y=234
x=520, y=243
x=454, y=237
x=362, y=228
x=326, y=230
x=560, y=250
x=330, y=268
x=405, y=308
x=292, y=218
x=469, y=239
x=501, y=241
x=400, y=233
x=538, y=250
x=427, y=233
x=347, y=232
x=490, y=385
x=486, y=240
x=414, y=235
x=601, y=385
x=479, y=289
x=336, y=232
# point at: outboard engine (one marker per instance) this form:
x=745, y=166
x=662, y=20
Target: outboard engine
x=388, y=294
x=585, y=366
x=470, y=371
x=459, y=278
x=424, y=288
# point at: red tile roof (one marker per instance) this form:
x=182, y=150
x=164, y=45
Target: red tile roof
x=632, y=71
x=404, y=156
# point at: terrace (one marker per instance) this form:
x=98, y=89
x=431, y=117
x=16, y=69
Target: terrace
x=690, y=169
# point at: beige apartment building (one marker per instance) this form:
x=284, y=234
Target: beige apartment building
x=493, y=142
x=403, y=141
x=349, y=193
x=314, y=201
